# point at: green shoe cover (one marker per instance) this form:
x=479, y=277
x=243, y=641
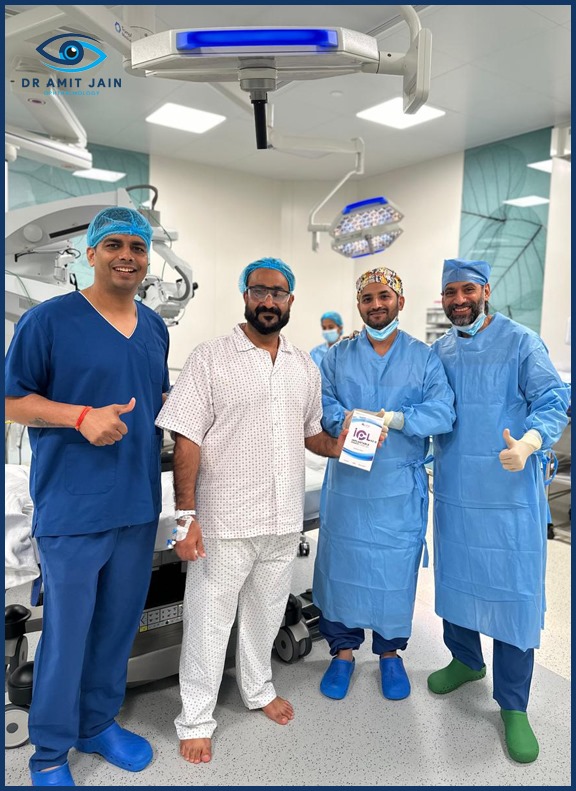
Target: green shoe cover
x=520, y=740
x=453, y=676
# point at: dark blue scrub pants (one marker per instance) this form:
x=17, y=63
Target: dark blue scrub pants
x=340, y=637
x=95, y=587
x=511, y=667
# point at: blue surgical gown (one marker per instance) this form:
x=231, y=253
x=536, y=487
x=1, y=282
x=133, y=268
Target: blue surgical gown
x=490, y=525
x=66, y=351
x=373, y=524
x=318, y=353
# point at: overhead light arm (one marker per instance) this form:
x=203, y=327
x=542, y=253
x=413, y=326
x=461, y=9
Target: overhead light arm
x=295, y=144
x=412, y=20
x=57, y=153
x=362, y=228
x=317, y=228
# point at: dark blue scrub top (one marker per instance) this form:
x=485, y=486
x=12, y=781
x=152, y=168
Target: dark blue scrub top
x=64, y=350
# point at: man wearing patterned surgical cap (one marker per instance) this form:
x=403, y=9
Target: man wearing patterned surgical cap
x=332, y=325
x=373, y=523
x=244, y=408
x=490, y=506
x=87, y=373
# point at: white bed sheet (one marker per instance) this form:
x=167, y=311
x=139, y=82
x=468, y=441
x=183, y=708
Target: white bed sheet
x=21, y=554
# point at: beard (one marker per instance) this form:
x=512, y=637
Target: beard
x=476, y=308
x=379, y=322
x=263, y=328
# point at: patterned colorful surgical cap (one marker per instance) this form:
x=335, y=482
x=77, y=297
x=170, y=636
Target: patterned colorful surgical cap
x=380, y=275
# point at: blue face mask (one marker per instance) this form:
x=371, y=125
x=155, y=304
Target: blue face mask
x=379, y=335
x=471, y=329
x=330, y=336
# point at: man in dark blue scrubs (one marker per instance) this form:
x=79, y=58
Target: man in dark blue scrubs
x=87, y=373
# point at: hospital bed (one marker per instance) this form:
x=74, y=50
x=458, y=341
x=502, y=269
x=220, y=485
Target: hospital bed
x=156, y=648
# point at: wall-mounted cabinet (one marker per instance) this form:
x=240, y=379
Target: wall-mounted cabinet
x=436, y=324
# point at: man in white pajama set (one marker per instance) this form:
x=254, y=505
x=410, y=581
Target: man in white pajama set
x=243, y=409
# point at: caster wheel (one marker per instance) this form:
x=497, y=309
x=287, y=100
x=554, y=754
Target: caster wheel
x=303, y=548
x=286, y=646
x=551, y=533
x=16, y=732
x=305, y=646
x=21, y=654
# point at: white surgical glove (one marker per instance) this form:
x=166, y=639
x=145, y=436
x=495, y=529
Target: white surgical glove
x=381, y=413
x=513, y=458
x=394, y=419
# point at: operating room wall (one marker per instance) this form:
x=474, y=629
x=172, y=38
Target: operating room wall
x=225, y=220
x=556, y=310
x=429, y=195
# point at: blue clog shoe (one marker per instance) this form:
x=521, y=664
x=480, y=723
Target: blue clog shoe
x=119, y=747
x=336, y=679
x=395, y=683
x=59, y=776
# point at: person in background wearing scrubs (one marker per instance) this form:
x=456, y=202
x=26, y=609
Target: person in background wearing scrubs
x=332, y=326
x=87, y=373
x=243, y=409
x=490, y=508
x=373, y=524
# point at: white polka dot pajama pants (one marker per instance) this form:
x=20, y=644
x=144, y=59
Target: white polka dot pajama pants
x=247, y=577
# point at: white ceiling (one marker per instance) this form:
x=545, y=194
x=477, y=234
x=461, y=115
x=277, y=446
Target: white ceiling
x=497, y=71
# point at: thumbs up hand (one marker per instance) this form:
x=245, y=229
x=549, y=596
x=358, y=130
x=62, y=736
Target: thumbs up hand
x=513, y=458
x=104, y=426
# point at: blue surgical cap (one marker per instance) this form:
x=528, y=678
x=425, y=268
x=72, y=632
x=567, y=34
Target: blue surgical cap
x=118, y=219
x=267, y=263
x=331, y=315
x=458, y=270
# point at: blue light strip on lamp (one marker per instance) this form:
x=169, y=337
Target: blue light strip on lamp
x=188, y=40
x=353, y=206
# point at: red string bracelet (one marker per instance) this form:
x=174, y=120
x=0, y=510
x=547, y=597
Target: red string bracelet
x=82, y=416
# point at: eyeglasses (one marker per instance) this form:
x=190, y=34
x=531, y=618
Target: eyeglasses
x=259, y=293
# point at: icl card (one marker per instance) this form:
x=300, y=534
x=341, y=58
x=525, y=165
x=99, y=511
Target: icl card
x=362, y=439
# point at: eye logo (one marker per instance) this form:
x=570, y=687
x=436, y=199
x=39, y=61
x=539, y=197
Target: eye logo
x=71, y=52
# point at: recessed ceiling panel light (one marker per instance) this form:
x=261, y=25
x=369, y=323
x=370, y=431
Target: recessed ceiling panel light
x=545, y=165
x=390, y=114
x=99, y=175
x=529, y=200
x=187, y=119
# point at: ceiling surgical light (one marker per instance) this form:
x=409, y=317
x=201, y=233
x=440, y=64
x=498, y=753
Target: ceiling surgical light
x=262, y=59
x=366, y=227
x=362, y=228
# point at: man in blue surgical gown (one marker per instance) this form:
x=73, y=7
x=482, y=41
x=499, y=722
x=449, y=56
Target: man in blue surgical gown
x=86, y=372
x=373, y=524
x=490, y=525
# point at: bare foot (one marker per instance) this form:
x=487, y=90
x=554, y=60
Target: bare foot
x=197, y=751
x=279, y=710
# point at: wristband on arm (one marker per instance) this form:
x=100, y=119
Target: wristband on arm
x=81, y=417
x=181, y=531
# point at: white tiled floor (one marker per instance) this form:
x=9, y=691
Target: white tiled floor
x=426, y=740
